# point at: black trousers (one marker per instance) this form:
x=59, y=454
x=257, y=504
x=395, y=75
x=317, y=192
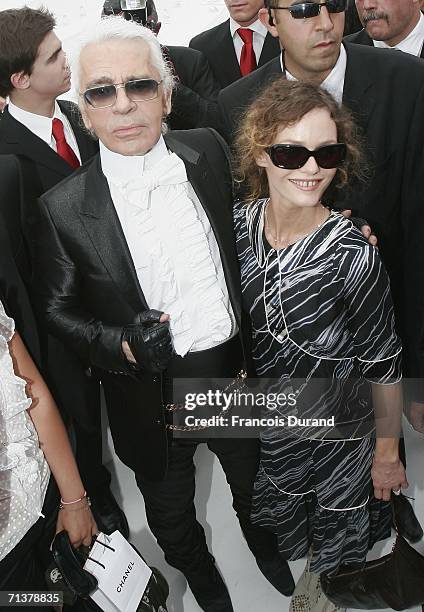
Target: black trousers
x=170, y=503
x=88, y=441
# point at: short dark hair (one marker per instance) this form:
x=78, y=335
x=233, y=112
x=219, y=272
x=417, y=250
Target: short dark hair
x=21, y=33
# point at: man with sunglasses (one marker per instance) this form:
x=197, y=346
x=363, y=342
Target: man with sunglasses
x=385, y=92
x=136, y=270
x=47, y=138
x=391, y=24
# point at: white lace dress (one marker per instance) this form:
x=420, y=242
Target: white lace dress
x=24, y=473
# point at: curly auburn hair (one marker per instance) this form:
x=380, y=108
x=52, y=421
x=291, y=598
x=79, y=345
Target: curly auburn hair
x=283, y=103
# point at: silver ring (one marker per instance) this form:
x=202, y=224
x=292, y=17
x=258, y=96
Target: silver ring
x=396, y=492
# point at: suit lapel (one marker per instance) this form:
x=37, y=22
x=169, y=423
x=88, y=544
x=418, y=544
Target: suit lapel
x=86, y=145
x=209, y=191
x=228, y=67
x=364, y=39
x=21, y=141
x=101, y=221
x=359, y=84
x=270, y=50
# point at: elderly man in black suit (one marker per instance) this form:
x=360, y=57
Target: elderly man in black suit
x=135, y=258
x=391, y=24
x=240, y=44
x=48, y=139
x=385, y=92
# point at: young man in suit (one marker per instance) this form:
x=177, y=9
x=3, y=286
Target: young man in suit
x=391, y=24
x=385, y=92
x=240, y=44
x=135, y=259
x=49, y=141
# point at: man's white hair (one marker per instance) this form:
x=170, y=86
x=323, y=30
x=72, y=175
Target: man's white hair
x=118, y=28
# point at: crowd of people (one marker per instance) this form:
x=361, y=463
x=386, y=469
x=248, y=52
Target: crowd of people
x=248, y=208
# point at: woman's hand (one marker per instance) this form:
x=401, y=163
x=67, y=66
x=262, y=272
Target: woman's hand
x=78, y=522
x=387, y=475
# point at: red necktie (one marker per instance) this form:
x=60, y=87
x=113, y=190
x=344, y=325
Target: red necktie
x=63, y=149
x=247, y=58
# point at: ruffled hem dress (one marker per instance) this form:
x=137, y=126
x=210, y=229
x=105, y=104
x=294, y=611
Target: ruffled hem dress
x=24, y=473
x=321, y=312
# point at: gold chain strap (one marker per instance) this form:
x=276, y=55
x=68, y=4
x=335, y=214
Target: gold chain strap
x=235, y=385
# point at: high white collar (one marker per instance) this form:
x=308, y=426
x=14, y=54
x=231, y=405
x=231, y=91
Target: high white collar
x=412, y=44
x=38, y=124
x=119, y=167
x=256, y=26
x=334, y=83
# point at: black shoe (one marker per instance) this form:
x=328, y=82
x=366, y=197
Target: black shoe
x=109, y=516
x=407, y=522
x=210, y=591
x=277, y=572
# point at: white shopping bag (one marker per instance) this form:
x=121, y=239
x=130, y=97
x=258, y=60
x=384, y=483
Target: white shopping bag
x=121, y=573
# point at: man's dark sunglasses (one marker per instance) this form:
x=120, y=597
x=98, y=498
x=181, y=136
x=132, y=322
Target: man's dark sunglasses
x=293, y=157
x=138, y=90
x=304, y=10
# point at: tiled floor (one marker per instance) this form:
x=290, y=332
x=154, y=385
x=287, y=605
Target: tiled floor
x=249, y=590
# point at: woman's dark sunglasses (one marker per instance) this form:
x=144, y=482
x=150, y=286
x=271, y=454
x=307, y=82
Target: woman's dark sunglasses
x=138, y=90
x=304, y=10
x=293, y=157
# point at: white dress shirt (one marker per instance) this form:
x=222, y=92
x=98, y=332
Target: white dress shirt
x=259, y=34
x=334, y=83
x=173, y=247
x=42, y=126
x=412, y=44
x=24, y=473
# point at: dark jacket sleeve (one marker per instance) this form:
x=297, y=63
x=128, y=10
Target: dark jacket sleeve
x=412, y=219
x=58, y=289
x=195, y=95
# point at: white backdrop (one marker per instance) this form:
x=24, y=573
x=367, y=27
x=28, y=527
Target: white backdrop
x=181, y=19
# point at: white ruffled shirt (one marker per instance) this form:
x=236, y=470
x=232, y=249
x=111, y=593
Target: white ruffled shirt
x=172, y=245
x=24, y=473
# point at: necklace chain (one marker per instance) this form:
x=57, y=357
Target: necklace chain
x=284, y=243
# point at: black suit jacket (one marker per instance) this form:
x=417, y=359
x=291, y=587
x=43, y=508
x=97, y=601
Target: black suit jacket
x=384, y=89
x=217, y=46
x=40, y=169
x=195, y=95
x=13, y=292
x=89, y=289
x=362, y=38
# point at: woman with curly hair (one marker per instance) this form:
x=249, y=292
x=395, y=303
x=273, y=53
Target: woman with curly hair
x=323, y=329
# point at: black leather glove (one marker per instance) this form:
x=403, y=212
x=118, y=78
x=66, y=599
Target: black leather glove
x=149, y=340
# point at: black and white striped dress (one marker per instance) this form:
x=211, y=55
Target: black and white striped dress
x=321, y=310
